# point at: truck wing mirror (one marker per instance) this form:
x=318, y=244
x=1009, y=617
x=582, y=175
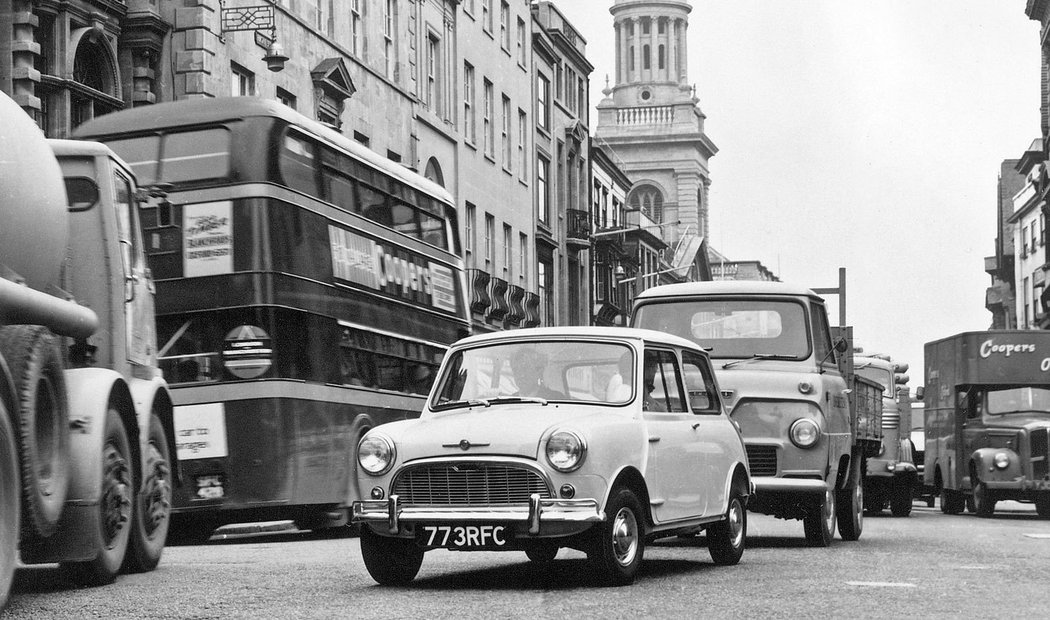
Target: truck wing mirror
x=920, y=392
x=841, y=345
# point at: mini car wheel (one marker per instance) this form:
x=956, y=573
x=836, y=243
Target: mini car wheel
x=542, y=552
x=620, y=542
x=819, y=522
x=983, y=500
x=725, y=539
x=390, y=561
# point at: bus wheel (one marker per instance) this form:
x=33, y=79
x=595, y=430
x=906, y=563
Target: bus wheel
x=819, y=522
x=115, y=508
x=390, y=561
x=151, y=516
x=10, y=502
x=43, y=423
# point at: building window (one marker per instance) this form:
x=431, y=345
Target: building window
x=490, y=242
x=646, y=64
x=504, y=26
x=508, y=252
x=521, y=42
x=468, y=235
x=432, y=87
x=523, y=134
x=1033, y=237
x=1024, y=241
x=486, y=15
x=389, y=45
x=581, y=95
x=362, y=138
x=543, y=102
x=487, y=120
x=508, y=157
x=356, y=34
x=545, y=283
x=469, y=119
x=523, y=260
x=1042, y=228
x=286, y=98
x=649, y=200
x=242, y=81
x=543, y=168
x=570, y=89
x=1027, y=305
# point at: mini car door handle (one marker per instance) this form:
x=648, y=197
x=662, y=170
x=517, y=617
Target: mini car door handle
x=696, y=425
x=654, y=438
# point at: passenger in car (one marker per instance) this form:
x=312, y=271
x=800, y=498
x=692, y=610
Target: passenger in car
x=619, y=388
x=650, y=402
x=528, y=365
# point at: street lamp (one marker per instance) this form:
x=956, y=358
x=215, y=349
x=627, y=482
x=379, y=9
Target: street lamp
x=258, y=17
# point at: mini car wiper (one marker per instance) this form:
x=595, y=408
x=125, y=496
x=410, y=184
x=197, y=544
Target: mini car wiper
x=518, y=399
x=473, y=402
x=761, y=356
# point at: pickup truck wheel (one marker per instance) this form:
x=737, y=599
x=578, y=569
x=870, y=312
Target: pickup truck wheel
x=1042, y=505
x=850, y=506
x=115, y=500
x=901, y=498
x=819, y=522
x=152, y=511
x=620, y=542
x=10, y=502
x=390, y=561
x=983, y=500
x=42, y=423
x=725, y=539
x=952, y=502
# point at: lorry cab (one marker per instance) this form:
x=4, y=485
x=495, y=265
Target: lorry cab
x=778, y=368
x=890, y=475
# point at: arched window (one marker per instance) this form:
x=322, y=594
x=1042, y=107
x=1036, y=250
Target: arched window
x=433, y=172
x=95, y=68
x=660, y=56
x=649, y=200
x=646, y=63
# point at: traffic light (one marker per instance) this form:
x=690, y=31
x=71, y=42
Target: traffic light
x=899, y=368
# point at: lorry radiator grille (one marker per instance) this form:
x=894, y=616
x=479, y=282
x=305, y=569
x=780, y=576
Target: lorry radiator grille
x=1040, y=453
x=762, y=460
x=468, y=484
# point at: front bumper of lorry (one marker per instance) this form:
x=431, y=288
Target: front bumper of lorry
x=789, y=486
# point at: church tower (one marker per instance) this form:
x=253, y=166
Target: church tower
x=651, y=122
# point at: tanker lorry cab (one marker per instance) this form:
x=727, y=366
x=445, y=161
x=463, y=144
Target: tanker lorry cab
x=85, y=419
x=889, y=476
x=778, y=367
x=987, y=402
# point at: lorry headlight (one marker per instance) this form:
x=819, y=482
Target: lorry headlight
x=375, y=454
x=1002, y=460
x=804, y=433
x=565, y=450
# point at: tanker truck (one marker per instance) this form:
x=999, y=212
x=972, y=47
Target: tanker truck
x=85, y=417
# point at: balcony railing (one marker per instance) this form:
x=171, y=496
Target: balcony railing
x=577, y=225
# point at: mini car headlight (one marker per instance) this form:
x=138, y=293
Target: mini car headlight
x=804, y=433
x=375, y=454
x=1002, y=460
x=565, y=450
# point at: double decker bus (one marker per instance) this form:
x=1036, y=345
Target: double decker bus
x=307, y=289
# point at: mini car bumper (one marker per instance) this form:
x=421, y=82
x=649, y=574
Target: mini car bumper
x=392, y=513
x=792, y=486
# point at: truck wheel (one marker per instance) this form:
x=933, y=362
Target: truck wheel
x=115, y=508
x=819, y=522
x=850, y=507
x=983, y=500
x=952, y=502
x=390, y=561
x=10, y=502
x=725, y=539
x=900, y=500
x=151, y=516
x=191, y=529
x=1042, y=505
x=620, y=542
x=43, y=424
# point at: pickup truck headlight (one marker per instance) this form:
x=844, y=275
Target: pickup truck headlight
x=1002, y=460
x=375, y=454
x=804, y=433
x=565, y=450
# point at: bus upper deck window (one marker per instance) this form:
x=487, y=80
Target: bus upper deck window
x=297, y=164
x=433, y=230
x=403, y=219
x=142, y=154
x=196, y=155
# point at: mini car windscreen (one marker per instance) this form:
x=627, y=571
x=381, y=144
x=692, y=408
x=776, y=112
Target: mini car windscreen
x=592, y=372
x=733, y=328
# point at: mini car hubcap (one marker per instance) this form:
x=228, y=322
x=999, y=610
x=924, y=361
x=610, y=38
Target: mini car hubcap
x=736, y=523
x=625, y=536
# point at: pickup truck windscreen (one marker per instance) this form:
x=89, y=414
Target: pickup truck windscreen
x=734, y=328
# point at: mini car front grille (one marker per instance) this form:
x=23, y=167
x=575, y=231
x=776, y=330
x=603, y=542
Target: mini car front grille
x=762, y=460
x=468, y=484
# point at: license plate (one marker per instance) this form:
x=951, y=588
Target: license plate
x=465, y=536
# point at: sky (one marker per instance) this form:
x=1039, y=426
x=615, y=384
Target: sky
x=864, y=135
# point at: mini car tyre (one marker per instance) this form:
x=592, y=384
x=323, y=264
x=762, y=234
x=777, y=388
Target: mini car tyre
x=42, y=423
x=542, y=552
x=620, y=541
x=725, y=539
x=819, y=522
x=151, y=516
x=115, y=508
x=10, y=498
x=983, y=500
x=390, y=561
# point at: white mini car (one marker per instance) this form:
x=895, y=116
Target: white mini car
x=596, y=439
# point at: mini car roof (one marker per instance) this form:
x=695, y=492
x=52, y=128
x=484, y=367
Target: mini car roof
x=582, y=332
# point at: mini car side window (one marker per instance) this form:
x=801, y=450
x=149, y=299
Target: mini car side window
x=699, y=384
x=662, y=382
